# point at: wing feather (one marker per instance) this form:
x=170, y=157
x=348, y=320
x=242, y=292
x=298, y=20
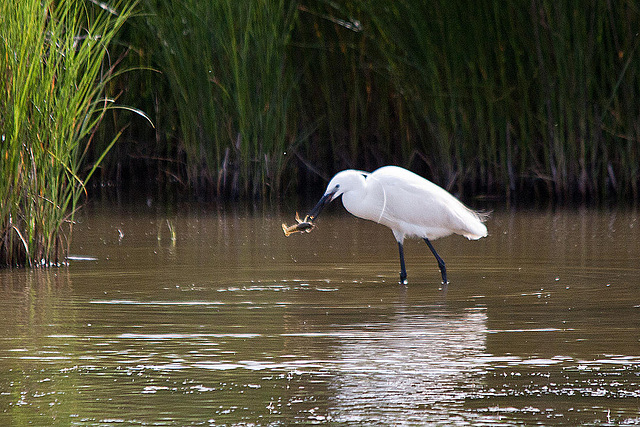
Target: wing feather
x=420, y=208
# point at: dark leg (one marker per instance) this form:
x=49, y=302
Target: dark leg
x=443, y=269
x=403, y=270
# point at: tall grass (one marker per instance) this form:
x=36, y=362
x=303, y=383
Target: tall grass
x=509, y=95
x=54, y=67
x=231, y=84
x=534, y=97
x=348, y=102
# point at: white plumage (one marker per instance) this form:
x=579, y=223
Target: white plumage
x=411, y=206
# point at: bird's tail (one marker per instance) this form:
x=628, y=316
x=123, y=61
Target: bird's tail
x=476, y=229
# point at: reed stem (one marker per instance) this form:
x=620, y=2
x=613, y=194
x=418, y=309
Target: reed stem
x=53, y=75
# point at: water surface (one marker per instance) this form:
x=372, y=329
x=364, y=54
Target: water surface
x=213, y=317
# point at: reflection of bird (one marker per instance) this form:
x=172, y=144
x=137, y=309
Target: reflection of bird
x=408, y=204
x=422, y=364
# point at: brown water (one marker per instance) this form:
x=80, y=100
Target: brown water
x=234, y=324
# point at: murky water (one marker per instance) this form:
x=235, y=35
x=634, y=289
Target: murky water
x=232, y=323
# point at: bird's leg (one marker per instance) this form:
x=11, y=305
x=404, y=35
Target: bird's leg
x=403, y=270
x=443, y=269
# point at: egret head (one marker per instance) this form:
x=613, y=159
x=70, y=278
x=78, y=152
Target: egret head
x=342, y=182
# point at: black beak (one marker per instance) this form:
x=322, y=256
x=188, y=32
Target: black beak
x=325, y=200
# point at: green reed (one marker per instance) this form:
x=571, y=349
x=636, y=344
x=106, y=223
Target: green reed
x=511, y=95
x=534, y=97
x=225, y=64
x=53, y=71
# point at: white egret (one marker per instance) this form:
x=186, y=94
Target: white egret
x=410, y=205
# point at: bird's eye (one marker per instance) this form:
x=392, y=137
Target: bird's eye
x=337, y=186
